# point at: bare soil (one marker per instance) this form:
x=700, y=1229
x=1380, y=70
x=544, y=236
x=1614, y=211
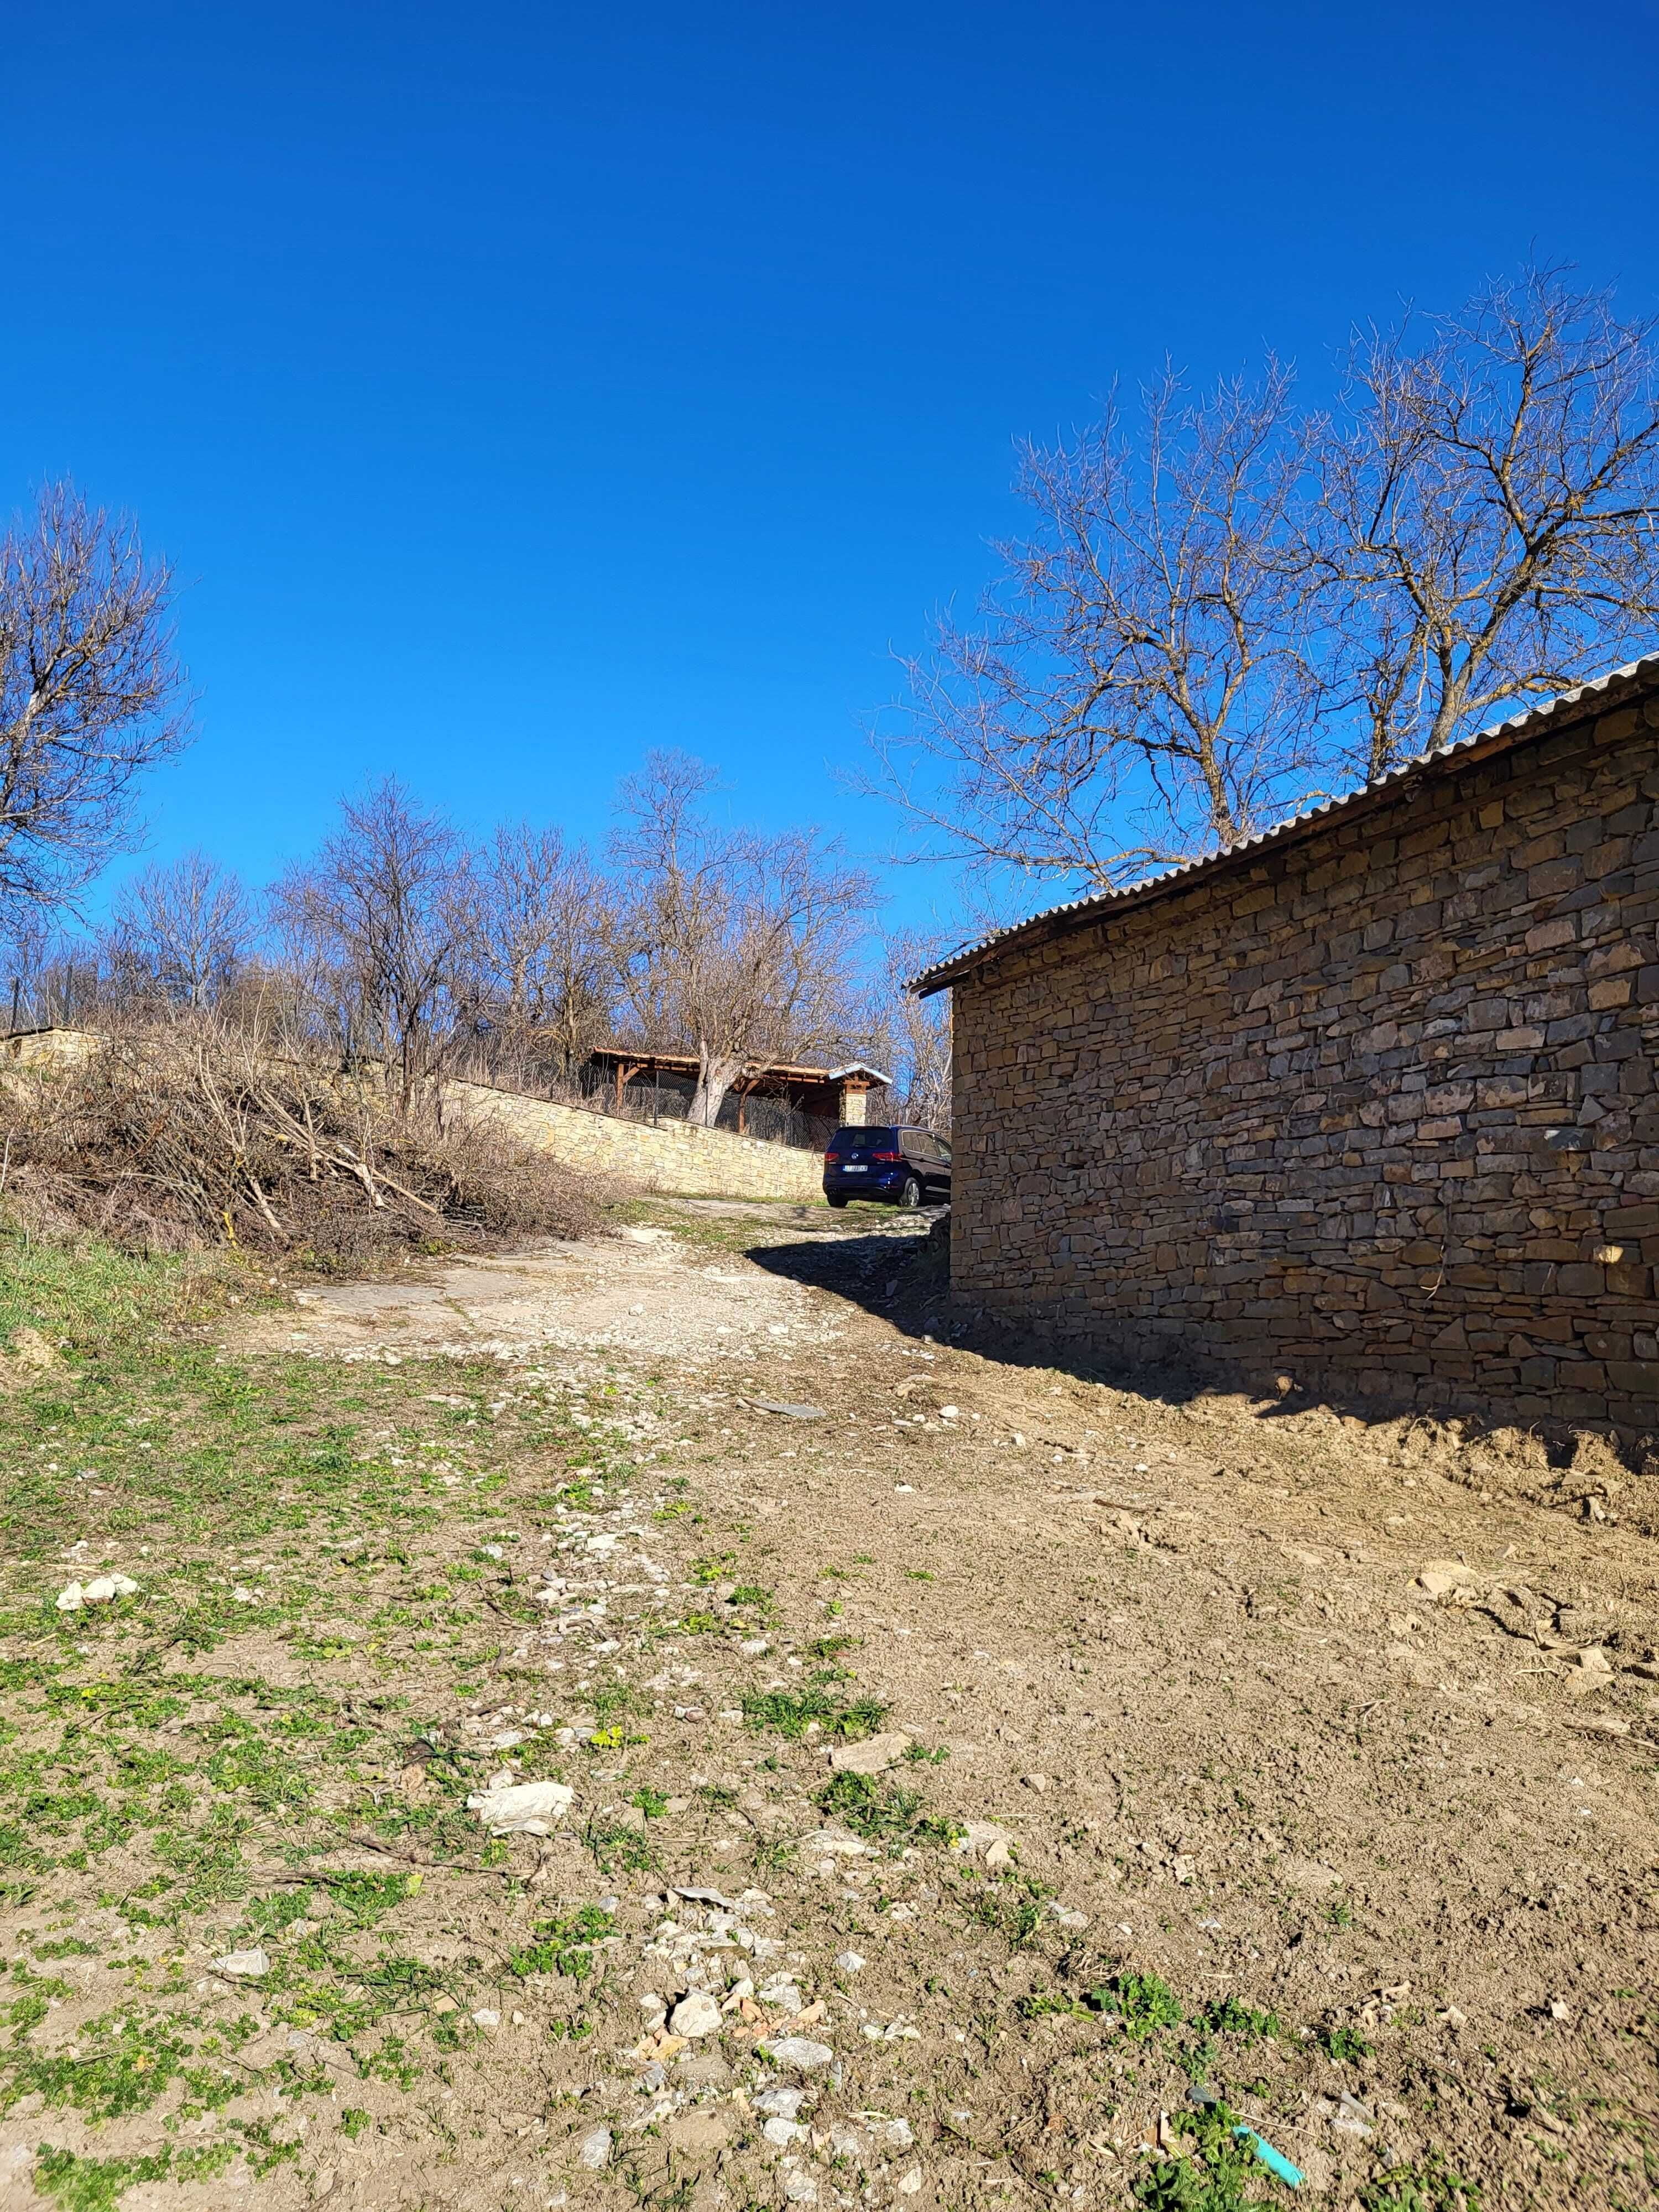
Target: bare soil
x=1253, y=1748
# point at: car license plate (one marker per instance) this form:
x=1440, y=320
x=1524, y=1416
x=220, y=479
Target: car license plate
x=851, y=1170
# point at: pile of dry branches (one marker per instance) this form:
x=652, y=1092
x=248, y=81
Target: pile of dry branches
x=186, y=1134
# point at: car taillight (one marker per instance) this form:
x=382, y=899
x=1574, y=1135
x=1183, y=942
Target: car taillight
x=885, y=1156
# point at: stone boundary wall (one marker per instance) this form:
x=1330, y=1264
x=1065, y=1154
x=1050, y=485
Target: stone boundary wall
x=670, y=1155
x=1377, y=1111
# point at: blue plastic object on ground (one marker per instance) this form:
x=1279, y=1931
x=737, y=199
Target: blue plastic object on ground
x=1275, y=2160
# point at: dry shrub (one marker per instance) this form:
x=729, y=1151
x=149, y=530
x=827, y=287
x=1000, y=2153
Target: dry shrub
x=177, y=1137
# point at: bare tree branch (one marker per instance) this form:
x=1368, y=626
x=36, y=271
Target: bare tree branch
x=90, y=692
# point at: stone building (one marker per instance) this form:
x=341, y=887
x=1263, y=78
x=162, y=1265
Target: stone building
x=1368, y=1100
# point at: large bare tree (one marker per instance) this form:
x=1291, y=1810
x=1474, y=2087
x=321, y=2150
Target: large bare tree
x=1138, y=688
x=380, y=920
x=1490, y=509
x=180, y=934
x=1225, y=607
x=544, y=942
x=739, y=943
x=91, y=693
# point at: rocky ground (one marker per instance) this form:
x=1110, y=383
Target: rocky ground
x=656, y=1722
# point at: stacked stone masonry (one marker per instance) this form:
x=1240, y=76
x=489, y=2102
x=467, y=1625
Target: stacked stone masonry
x=667, y=1156
x=1376, y=1109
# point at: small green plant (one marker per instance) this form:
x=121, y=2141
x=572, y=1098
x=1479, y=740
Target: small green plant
x=792, y=1712
x=1213, y=2177
x=1144, y=2003
x=650, y=1802
x=353, y=2121
x=1343, y=2047
x=918, y=1755
x=1050, y=2004
x=832, y=1647
x=881, y=1813
x=706, y=1573
x=1340, y=1915
x=615, y=1846
x=1228, y=2017
x=562, y=1946
x=918, y=1575
x=1428, y=2186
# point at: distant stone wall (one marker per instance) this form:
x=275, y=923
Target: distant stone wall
x=1377, y=1108
x=669, y=1156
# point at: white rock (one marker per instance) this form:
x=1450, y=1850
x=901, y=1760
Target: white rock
x=242, y=1595
x=783, y=2132
x=486, y=2017
x=595, y=2151
x=850, y=1962
x=800, y=2189
x=71, y=1598
x=780, y=2104
x=521, y=1808
x=798, y=2053
x=896, y=2135
x=910, y=2184
x=695, y=2014
x=873, y=1756
x=249, y=1963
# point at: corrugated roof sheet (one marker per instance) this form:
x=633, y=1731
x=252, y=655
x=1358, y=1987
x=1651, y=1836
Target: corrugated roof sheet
x=1637, y=676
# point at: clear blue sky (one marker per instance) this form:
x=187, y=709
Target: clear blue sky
x=520, y=387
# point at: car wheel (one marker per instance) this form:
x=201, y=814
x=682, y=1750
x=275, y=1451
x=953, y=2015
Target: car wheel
x=910, y=1196
x=836, y=1201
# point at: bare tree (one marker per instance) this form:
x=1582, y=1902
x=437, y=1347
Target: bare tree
x=181, y=933
x=90, y=692
x=544, y=943
x=911, y=1036
x=1140, y=687
x=380, y=920
x=1491, y=509
x=740, y=943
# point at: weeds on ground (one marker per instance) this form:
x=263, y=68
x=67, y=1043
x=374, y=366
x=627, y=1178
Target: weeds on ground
x=881, y=1812
x=792, y=1712
x=1216, y=2175
x=1430, y=2185
x=1144, y=2003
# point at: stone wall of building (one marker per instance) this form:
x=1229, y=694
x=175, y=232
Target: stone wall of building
x=668, y=1156
x=1376, y=1109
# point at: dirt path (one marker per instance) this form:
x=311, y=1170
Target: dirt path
x=1248, y=1748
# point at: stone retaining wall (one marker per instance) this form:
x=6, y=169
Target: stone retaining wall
x=1376, y=1109
x=669, y=1156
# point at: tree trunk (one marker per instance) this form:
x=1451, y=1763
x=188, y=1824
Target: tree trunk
x=716, y=1073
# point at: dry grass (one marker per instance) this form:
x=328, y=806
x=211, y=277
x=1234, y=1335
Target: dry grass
x=185, y=1135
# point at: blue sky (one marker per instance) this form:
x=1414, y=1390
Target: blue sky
x=519, y=387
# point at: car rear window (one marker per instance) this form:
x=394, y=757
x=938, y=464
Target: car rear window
x=847, y=1143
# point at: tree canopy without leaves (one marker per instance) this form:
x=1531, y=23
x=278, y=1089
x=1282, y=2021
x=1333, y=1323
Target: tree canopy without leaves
x=181, y=933
x=380, y=921
x=90, y=692
x=1227, y=606
x=738, y=945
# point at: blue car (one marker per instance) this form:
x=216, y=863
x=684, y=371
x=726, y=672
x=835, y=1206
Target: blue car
x=894, y=1167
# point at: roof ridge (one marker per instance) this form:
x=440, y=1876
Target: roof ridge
x=1515, y=727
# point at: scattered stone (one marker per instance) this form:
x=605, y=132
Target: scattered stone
x=1039, y=1783
x=873, y=1756
x=792, y=1412
x=798, y=2053
x=850, y=1962
x=800, y=2189
x=695, y=2014
x=1451, y=2017
x=249, y=1964
x=103, y=1590
x=521, y=1808
x=595, y=2151
x=780, y=2104
x=909, y=2184
x=1559, y=2009
x=486, y=2017
x=783, y=2132
x=1445, y=1577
